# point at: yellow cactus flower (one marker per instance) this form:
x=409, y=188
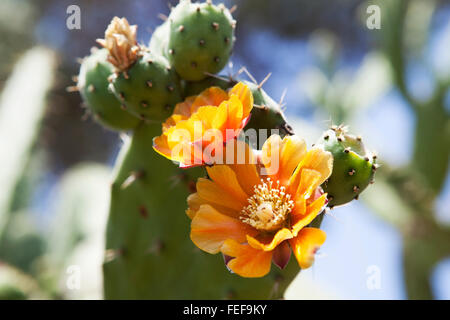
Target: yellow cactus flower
x=198, y=128
x=254, y=219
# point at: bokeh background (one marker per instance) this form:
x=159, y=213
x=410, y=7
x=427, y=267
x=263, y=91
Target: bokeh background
x=389, y=85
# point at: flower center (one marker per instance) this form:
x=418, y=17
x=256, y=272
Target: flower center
x=268, y=207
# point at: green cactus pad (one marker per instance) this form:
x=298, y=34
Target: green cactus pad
x=149, y=89
x=201, y=39
x=196, y=87
x=266, y=113
x=353, y=166
x=160, y=40
x=93, y=86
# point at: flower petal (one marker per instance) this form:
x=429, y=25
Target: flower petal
x=212, y=192
x=306, y=244
x=243, y=163
x=212, y=96
x=184, y=108
x=210, y=229
x=245, y=96
x=269, y=243
x=309, y=181
x=293, y=150
x=312, y=210
x=225, y=177
x=248, y=262
x=316, y=159
x=270, y=156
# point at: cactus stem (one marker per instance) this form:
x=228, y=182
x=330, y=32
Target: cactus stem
x=133, y=177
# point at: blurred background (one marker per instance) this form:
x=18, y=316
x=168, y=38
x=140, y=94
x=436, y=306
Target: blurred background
x=390, y=85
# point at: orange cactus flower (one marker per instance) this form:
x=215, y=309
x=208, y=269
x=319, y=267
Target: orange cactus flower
x=198, y=128
x=254, y=219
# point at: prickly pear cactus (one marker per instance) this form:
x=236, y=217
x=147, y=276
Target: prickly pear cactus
x=93, y=86
x=149, y=89
x=201, y=39
x=149, y=254
x=353, y=166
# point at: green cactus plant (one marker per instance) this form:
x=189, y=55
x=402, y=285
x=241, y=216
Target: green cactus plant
x=201, y=39
x=353, y=166
x=93, y=86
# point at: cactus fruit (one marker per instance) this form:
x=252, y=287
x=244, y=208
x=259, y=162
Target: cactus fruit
x=266, y=113
x=353, y=166
x=201, y=39
x=93, y=86
x=143, y=82
x=149, y=89
x=160, y=40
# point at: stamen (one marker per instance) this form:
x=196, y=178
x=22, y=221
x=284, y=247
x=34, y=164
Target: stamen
x=268, y=207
